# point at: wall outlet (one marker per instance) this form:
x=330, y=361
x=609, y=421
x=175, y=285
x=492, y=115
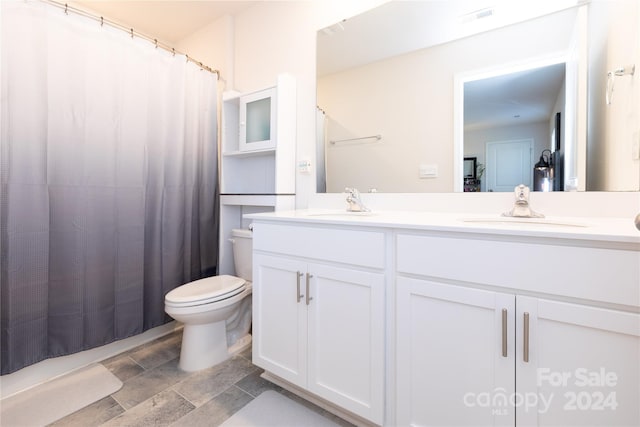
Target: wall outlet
x=428, y=171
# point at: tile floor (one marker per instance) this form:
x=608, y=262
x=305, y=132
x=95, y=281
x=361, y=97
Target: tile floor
x=156, y=392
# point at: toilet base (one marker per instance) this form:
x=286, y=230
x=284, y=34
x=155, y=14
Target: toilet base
x=241, y=345
x=203, y=346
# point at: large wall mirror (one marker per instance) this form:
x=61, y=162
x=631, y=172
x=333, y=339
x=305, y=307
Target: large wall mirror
x=408, y=90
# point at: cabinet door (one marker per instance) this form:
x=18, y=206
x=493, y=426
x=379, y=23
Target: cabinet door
x=258, y=120
x=279, y=317
x=451, y=365
x=583, y=365
x=346, y=339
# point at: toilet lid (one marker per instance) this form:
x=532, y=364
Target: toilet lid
x=207, y=290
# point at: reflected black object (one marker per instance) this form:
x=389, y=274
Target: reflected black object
x=543, y=172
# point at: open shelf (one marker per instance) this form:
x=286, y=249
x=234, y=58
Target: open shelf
x=253, y=153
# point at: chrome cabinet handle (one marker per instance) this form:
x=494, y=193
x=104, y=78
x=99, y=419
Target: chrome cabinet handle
x=309, y=276
x=504, y=332
x=525, y=339
x=298, y=294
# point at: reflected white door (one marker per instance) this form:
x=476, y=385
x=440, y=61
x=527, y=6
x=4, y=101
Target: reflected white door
x=508, y=164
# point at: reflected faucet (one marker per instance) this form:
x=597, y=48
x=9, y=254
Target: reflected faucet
x=354, y=203
x=521, y=208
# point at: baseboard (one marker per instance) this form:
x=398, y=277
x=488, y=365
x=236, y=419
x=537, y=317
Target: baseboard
x=49, y=369
x=318, y=401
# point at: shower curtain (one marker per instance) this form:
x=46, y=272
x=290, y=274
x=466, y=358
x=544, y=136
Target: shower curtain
x=108, y=180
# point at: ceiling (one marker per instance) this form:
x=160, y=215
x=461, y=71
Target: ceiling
x=516, y=98
x=169, y=21
x=399, y=27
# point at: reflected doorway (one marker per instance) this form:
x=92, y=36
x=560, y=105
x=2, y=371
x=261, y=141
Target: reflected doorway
x=508, y=164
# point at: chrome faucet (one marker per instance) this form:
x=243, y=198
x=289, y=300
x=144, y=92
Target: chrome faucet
x=521, y=209
x=354, y=203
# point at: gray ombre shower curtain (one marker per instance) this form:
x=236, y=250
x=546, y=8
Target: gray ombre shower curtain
x=109, y=182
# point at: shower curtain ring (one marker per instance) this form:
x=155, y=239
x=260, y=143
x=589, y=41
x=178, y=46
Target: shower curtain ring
x=173, y=49
x=102, y=21
x=66, y=9
x=155, y=41
x=131, y=32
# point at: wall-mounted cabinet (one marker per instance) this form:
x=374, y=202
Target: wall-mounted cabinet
x=257, y=168
x=258, y=140
x=258, y=130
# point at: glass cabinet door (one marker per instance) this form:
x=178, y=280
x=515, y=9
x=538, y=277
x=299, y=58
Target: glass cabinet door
x=257, y=121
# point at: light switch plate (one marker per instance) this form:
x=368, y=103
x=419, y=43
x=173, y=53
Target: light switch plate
x=428, y=171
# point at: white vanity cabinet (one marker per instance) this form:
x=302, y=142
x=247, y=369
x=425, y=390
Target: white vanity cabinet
x=583, y=360
x=318, y=312
x=475, y=345
x=450, y=352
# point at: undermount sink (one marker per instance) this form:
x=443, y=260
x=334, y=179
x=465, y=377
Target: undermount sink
x=543, y=222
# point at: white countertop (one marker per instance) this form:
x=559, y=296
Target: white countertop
x=595, y=229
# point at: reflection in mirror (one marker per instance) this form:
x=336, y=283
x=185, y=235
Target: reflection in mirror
x=407, y=94
x=509, y=120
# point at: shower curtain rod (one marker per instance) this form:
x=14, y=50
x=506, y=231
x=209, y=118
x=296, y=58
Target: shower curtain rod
x=130, y=31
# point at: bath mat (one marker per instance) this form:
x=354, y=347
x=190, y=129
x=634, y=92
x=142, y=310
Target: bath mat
x=55, y=399
x=273, y=409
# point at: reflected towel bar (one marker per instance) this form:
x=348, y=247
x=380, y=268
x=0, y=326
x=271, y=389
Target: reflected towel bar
x=377, y=138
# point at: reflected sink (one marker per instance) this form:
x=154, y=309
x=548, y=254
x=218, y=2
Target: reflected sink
x=542, y=222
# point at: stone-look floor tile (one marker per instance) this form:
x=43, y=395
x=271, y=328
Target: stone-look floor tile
x=93, y=415
x=123, y=367
x=157, y=352
x=142, y=387
x=217, y=410
x=160, y=410
x=173, y=372
x=255, y=385
x=204, y=385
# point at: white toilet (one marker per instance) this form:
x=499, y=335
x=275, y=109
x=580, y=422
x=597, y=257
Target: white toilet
x=215, y=311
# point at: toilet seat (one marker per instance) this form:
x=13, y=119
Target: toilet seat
x=205, y=291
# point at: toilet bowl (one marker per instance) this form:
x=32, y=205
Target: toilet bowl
x=215, y=311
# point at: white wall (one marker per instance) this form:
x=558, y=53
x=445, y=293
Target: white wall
x=213, y=46
x=614, y=42
x=398, y=99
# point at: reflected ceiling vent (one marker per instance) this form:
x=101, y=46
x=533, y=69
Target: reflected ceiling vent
x=333, y=29
x=477, y=14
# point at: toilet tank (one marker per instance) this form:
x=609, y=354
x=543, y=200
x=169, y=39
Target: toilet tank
x=242, y=252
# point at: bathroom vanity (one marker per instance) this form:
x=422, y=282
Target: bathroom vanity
x=414, y=318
